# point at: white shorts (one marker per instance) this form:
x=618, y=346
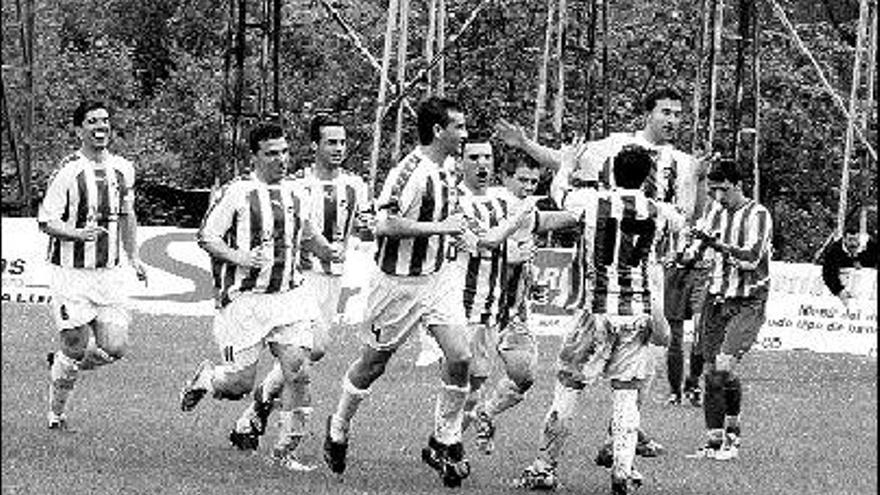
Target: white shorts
x=396, y=305
x=244, y=326
x=325, y=289
x=609, y=346
x=81, y=295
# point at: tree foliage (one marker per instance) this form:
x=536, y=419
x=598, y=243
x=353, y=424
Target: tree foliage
x=161, y=64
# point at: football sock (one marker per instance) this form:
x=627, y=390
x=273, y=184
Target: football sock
x=714, y=403
x=715, y=437
x=291, y=428
x=62, y=374
x=674, y=371
x=556, y=423
x=506, y=395
x=695, y=368
x=732, y=395
x=624, y=430
x=273, y=382
x=474, y=397
x=449, y=413
x=349, y=402
x=243, y=423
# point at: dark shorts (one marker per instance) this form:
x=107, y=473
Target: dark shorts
x=730, y=326
x=684, y=291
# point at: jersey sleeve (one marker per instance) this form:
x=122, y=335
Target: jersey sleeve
x=218, y=219
x=759, y=231
x=400, y=192
x=55, y=199
x=127, y=169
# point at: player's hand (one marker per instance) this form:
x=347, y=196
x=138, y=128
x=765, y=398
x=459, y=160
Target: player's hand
x=255, y=258
x=467, y=241
x=709, y=238
x=511, y=134
x=524, y=216
x=572, y=153
x=455, y=224
x=140, y=269
x=337, y=252
x=91, y=232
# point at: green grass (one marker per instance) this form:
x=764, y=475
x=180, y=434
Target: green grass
x=810, y=426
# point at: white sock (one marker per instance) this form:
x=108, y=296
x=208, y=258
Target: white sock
x=449, y=413
x=63, y=374
x=555, y=431
x=349, y=402
x=272, y=384
x=624, y=430
x=505, y=396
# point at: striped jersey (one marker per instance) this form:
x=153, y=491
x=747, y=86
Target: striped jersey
x=749, y=227
x=417, y=189
x=616, y=249
x=483, y=269
x=249, y=214
x=85, y=193
x=333, y=207
x=675, y=173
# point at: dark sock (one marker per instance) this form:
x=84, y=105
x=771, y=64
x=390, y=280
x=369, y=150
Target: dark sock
x=695, y=369
x=714, y=403
x=733, y=400
x=674, y=369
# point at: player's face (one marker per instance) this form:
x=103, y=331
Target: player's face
x=451, y=138
x=332, y=148
x=94, y=132
x=664, y=119
x=476, y=164
x=851, y=241
x=523, y=182
x=271, y=160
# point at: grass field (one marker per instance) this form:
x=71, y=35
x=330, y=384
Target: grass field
x=810, y=427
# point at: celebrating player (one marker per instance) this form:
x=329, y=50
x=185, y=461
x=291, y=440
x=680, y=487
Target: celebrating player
x=335, y=197
x=254, y=233
x=88, y=211
x=414, y=232
x=621, y=316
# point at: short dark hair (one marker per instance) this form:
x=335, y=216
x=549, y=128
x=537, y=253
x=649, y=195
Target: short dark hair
x=725, y=169
x=632, y=166
x=657, y=95
x=434, y=111
x=319, y=121
x=514, y=160
x=264, y=132
x=86, y=106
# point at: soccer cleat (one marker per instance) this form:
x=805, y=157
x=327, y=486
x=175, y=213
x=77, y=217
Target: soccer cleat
x=694, y=396
x=290, y=461
x=485, y=433
x=605, y=456
x=194, y=391
x=649, y=448
x=708, y=451
x=729, y=449
x=674, y=399
x=448, y=461
x=57, y=422
x=539, y=476
x=626, y=486
x=244, y=441
x=334, y=452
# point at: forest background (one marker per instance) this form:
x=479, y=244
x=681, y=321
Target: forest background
x=161, y=65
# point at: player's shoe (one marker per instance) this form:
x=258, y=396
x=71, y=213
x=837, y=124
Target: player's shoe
x=244, y=440
x=194, y=390
x=645, y=448
x=695, y=396
x=729, y=449
x=57, y=422
x=290, y=461
x=334, y=452
x=485, y=433
x=262, y=410
x=649, y=448
x=626, y=486
x=539, y=475
x=709, y=450
x=448, y=461
x=674, y=399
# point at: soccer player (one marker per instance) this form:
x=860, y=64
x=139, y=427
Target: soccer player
x=415, y=229
x=494, y=283
x=254, y=233
x=335, y=198
x=623, y=314
x=88, y=211
x=736, y=233
x=853, y=251
x=675, y=177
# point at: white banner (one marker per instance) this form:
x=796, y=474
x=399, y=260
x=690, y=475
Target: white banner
x=801, y=313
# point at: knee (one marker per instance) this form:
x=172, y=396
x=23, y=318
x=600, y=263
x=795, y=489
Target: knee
x=238, y=384
x=116, y=350
x=522, y=377
x=459, y=367
x=570, y=379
